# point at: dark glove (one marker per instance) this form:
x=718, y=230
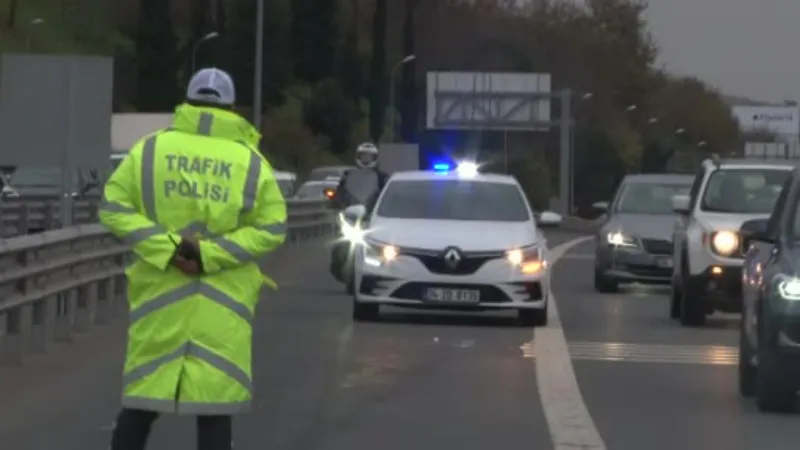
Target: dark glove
x=187, y=257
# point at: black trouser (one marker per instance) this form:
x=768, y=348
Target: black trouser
x=133, y=429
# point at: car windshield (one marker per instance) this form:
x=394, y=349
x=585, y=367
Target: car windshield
x=325, y=172
x=311, y=191
x=743, y=191
x=453, y=200
x=649, y=198
x=286, y=187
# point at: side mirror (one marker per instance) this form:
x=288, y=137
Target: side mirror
x=680, y=204
x=755, y=230
x=549, y=219
x=355, y=212
x=601, y=206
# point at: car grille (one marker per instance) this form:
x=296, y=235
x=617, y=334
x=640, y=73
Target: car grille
x=435, y=263
x=657, y=246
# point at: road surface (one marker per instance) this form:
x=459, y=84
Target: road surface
x=613, y=372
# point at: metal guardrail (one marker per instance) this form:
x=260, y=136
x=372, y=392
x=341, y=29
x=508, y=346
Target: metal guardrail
x=24, y=215
x=60, y=282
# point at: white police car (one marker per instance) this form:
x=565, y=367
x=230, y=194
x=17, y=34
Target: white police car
x=451, y=240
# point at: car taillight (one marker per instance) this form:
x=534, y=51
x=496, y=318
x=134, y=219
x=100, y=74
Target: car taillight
x=329, y=193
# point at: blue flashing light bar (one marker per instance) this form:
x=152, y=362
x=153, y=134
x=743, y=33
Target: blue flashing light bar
x=442, y=167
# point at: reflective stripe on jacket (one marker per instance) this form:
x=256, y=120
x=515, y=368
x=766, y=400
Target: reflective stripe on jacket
x=190, y=338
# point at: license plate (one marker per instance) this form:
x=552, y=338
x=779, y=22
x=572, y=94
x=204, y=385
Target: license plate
x=452, y=295
x=664, y=263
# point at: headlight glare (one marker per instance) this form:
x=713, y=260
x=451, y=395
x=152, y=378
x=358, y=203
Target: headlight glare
x=529, y=260
x=618, y=239
x=725, y=242
x=389, y=253
x=351, y=232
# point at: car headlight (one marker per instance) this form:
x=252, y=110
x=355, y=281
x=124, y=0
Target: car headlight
x=725, y=243
x=617, y=239
x=377, y=254
x=529, y=260
x=788, y=287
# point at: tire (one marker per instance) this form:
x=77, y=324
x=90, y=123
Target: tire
x=365, y=312
x=532, y=317
x=604, y=284
x=693, y=309
x=675, y=303
x=774, y=392
x=747, y=373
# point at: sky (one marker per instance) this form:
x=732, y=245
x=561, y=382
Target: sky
x=747, y=48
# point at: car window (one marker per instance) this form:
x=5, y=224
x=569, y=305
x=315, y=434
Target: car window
x=780, y=206
x=453, y=200
x=694, y=192
x=286, y=187
x=311, y=191
x=325, y=172
x=648, y=198
x=743, y=191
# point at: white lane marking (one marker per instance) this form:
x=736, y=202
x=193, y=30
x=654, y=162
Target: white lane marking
x=571, y=426
x=715, y=355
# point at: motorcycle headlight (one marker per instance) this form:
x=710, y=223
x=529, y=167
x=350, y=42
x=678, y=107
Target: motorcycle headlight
x=618, y=239
x=529, y=260
x=725, y=243
x=788, y=287
x=351, y=232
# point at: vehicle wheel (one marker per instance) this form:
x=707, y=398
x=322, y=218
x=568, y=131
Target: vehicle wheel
x=692, y=308
x=773, y=390
x=532, y=317
x=365, y=312
x=604, y=284
x=675, y=303
x=747, y=373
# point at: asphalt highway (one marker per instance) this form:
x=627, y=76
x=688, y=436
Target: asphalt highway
x=611, y=371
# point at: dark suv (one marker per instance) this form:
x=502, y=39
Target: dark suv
x=769, y=344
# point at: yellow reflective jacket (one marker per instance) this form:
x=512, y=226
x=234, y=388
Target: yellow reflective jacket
x=189, y=339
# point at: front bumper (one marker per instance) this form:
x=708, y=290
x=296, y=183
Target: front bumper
x=407, y=282
x=633, y=265
x=721, y=286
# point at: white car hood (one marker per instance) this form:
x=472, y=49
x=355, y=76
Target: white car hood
x=466, y=235
x=726, y=221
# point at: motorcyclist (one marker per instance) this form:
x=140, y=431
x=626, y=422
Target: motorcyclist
x=360, y=186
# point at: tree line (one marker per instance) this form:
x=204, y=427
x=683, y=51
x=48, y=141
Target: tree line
x=327, y=63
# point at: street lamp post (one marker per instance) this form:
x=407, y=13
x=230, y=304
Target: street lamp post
x=259, y=65
x=208, y=37
x=392, y=73
x=29, y=40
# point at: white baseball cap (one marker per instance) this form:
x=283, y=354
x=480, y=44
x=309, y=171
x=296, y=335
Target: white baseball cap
x=212, y=86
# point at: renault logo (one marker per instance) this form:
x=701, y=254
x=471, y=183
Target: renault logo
x=452, y=257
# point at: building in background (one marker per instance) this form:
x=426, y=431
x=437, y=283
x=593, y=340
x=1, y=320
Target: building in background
x=782, y=122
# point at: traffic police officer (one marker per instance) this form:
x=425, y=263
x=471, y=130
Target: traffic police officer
x=200, y=207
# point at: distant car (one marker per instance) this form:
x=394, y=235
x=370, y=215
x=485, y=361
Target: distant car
x=316, y=190
x=708, y=254
x=327, y=172
x=286, y=182
x=451, y=241
x=769, y=340
x=635, y=242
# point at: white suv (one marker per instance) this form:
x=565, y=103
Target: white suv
x=707, y=251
